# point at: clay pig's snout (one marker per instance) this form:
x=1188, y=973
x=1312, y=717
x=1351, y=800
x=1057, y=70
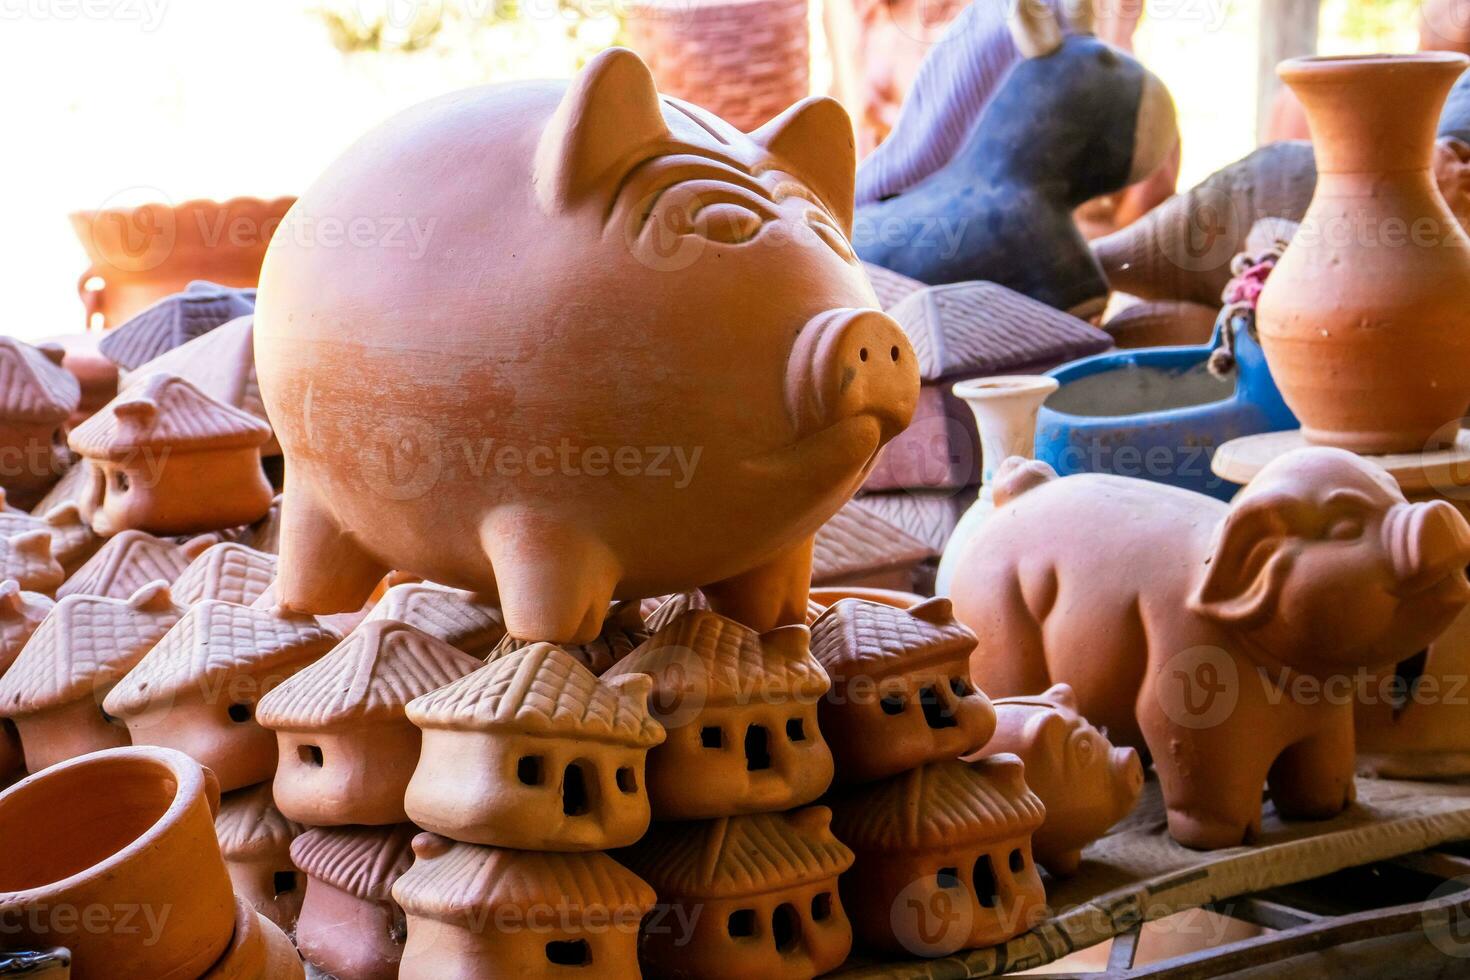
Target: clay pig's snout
x=1429, y=545
x=852, y=363
x=1127, y=772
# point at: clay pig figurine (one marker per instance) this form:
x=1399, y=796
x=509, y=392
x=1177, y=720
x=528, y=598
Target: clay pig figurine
x=1086, y=784
x=636, y=356
x=1223, y=638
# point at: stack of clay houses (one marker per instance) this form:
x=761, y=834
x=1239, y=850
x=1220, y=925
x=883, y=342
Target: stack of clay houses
x=930, y=832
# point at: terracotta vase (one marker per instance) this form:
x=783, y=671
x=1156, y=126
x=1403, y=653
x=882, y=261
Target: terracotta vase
x=1184, y=624
x=788, y=394
x=1364, y=320
x=125, y=828
x=1005, y=412
x=140, y=255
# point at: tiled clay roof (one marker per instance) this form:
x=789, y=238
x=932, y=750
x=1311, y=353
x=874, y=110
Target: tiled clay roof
x=213, y=641
x=720, y=661
x=543, y=690
x=249, y=825
x=228, y=571
x=737, y=856
x=129, y=561
x=20, y=613
x=450, y=880
x=26, y=557
x=669, y=608
x=175, y=320
x=889, y=286
x=856, y=636
x=622, y=632
x=160, y=411
x=34, y=387
x=857, y=541
x=84, y=646
x=220, y=363
x=451, y=615
x=942, y=804
x=369, y=677
x=72, y=539
x=362, y=861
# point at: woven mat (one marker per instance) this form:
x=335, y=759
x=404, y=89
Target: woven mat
x=1137, y=873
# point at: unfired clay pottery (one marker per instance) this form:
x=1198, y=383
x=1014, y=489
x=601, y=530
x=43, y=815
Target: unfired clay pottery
x=350, y=926
x=948, y=839
x=451, y=615
x=129, y=561
x=622, y=632
x=127, y=829
x=1086, y=784
x=72, y=539
x=534, y=751
x=1366, y=332
x=481, y=912
x=20, y=614
x=1318, y=568
x=789, y=389
x=140, y=255
x=255, y=840
x=197, y=689
x=1005, y=413
x=901, y=693
x=174, y=321
x=226, y=571
x=169, y=459
x=26, y=558
x=37, y=397
x=346, y=748
x=741, y=713
x=53, y=692
x=759, y=892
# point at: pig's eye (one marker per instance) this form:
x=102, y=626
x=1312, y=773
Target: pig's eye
x=727, y=222
x=1345, y=529
x=1085, y=748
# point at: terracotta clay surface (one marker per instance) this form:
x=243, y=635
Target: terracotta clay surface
x=1162, y=323
x=346, y=746
x=130, y=828
x=622, y=631
x=72, y=539
x=255, y=840
x=901, y=693
x=1365, y=335
x=861, y=546
x=227, y=571
x=197, y=689
x=1318, y=568
x=20, y=614
x=760, y=893
x=169, y=459
x=350, y=926
x=26, y=558
x=535, y=751
x=451, y=615
x=789, y=388
x=174, y=321
x=129, y=561
x=37, y=397
x=468, y=909
x=950, y=836
x=258, y=950
x=741, y=713
x=1086, y=784
x=53, y=691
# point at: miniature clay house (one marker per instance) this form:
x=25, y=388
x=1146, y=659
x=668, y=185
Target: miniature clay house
x=534, y=751
x=197, y=689
x=451, y=615
x=37, y=395
x=226, y=571
x=901, y=693
x=741, y=713
x=129, y=561
x=53, y=692
x=622, y=632
x=946, y=827
x=26, y=558
x=759, y=890
x=72, y=539
x=255, y=840
x=468, y=910
x=350, y=926
x=169, y=459
x=20, y=614
x=347, y=750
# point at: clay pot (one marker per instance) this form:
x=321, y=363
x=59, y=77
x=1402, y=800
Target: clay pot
x=1005, y=412
x=258, y=950
x=140, y=255
x=1319, y=567
x=791, y=390
x=1162, y=323
x=128, y=828
x=1366, y=334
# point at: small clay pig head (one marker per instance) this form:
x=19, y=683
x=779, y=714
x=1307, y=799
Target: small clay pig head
x=1326, y=566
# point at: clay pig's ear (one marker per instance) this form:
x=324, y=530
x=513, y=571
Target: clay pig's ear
x=1252, y=555
x=815, y=138
x=609, y=114
x=1035, y=28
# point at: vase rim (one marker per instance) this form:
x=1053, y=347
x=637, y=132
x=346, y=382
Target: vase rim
x=1309, y=66
x=1001, y=385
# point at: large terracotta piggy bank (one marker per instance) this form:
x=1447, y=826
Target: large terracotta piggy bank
x=1224, y=638
x=571, y=342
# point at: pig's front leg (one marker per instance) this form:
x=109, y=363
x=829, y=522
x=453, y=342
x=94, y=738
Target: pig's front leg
x=1313, y=779
x=769, y=595
x=554, y=582
x=322, y=568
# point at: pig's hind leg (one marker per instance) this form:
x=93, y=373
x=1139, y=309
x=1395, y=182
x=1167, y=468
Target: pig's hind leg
x=554, y=582
x=769, y=595
x=1313, y=779
x=322, y=568
x=1010, y=659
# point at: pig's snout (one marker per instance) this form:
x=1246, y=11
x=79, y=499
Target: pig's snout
x=1428, y=544
x=1127, y=774
x=849, y=363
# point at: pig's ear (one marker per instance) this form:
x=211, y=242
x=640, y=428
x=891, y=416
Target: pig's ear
x=609, y=114
x=814, y=137
x=1248, y=565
